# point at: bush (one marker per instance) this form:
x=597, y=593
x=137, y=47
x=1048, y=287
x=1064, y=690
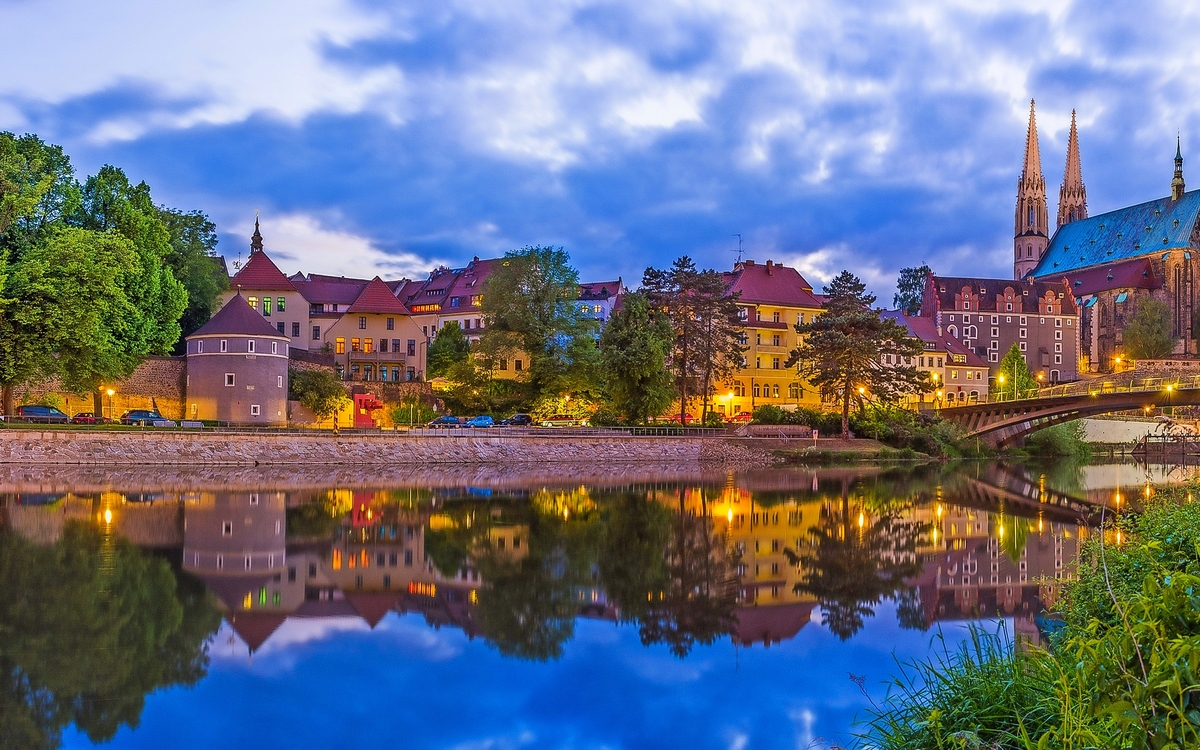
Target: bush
x=1060, y=441
x=605, y=416
x=713, y=419
x=769, y=414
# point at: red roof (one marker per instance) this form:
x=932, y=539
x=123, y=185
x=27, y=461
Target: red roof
x=321, y=290
x=770, y=284
x=598, y=290
x=237, y=318
x=377, y=298
x=373, y=606
x=771, y=624
x=260, y=273
x=926, y=330
x=256, y=627
x=1130, y=274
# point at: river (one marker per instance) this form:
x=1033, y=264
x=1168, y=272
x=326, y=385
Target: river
x=551, y=607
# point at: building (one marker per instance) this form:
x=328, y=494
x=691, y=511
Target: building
x=237, y=368
x=377, y=339
x=988, y=316
x=267, y=290
x=1111, y=261
x=957, y=372
x=773, y=299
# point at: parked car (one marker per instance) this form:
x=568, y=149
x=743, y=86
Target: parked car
x=674, y=419
x=481, y=421
x=86, y=417
x=444, y=422
x=742, y=417
x=41, y=415
x=518, y=420
x=144, y=417
x=561, y=420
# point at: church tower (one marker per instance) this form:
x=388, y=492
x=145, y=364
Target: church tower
x=1031, y=230
x=1177, y=185
x=1072, y=196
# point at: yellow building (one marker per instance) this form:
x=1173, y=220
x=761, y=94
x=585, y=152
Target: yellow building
x=773, y=299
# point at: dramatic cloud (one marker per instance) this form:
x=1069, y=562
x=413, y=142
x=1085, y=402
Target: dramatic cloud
x=868, y=135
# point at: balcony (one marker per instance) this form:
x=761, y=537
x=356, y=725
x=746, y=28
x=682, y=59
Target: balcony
x=390, y=358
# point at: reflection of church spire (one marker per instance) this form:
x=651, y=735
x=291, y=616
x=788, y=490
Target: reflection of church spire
x=256, y=243
x=1072, y=196
x=1177, y=185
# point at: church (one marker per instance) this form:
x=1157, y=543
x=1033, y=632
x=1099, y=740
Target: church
x=1110, y=262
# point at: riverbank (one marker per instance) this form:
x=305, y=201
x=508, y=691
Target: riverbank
x=1119, y=670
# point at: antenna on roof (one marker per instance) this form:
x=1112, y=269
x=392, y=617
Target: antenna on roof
x=739, y=236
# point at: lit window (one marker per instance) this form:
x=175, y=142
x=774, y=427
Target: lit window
x=267, y=306
x=339, y=345
x=253, y=302
x=279, y=304
x=355, y=345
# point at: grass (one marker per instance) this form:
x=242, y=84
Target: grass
x=1123, y=672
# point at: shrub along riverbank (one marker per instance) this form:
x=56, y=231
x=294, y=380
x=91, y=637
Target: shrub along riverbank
x=1122, y=669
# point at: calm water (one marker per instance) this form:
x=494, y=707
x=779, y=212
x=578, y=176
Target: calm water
x=655, y=607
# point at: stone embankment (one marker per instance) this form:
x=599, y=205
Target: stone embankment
x=60, y=447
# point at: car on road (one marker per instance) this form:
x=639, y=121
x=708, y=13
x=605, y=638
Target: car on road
x=687, y=419
x=518, y=420
x=40, y=414
x=742, y=417
x=562, y=420
x=87, y=417
x=145, y=418
x=444, y=422
x=481, y=421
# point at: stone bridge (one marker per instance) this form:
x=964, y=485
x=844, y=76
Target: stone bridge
x=1001, y=421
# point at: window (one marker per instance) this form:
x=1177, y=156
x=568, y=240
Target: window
x=227, y=528
x=279, y=327
x=1058, y=335
x=254, y=498
x=316, y=333
x=995, y=319
x=1068, y=321
x=775, y=318
x=504, y=364
x=267, y=306
x=1008, y=308
x=278, y=381
x=367, y=372
x=362, y=322
x=295, y=330
x=793, y=390
x=368, y=346
x=775, y=364
x=200, y=347
x=954, y=374
x=229, y=379
x=454, y=301
x=1042, y=321
x=775, y=340
x=1057, y=361
x=758, y=362
x=966, y=305
x=253, y=302
x=275, y=345
x=775, y=391
x=517, y=365
x=995, y=332
x=1022, y=346
x=339, y=345
x=250, y=346
x=1058, y=322
x=255, y=410
x=355, y=345
x=412, y=347
x=757, y=390
x=758, y=339
x=1058, y=348
x=224, y=345
x=391, y=324
x=280, y=304
x=1023, y=332
x=408, y=558
x=383, y=345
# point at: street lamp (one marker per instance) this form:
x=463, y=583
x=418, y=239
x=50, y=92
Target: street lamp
x=111, y=392
x=1000, y=380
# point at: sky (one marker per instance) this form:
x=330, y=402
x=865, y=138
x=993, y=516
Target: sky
x=391, y=137
x=405, y=684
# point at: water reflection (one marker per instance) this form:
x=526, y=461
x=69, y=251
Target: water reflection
x=109, y=595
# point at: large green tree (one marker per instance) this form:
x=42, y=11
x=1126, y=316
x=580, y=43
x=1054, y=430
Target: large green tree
x=319, y=391
x=633, y=352
x=531, y=296
x=910, y=289
x=704, y=317
x=37, y=190
x=193, y=261
x=1148, y=333
x=846, y=351
x=450, y=347
x=1013, y=378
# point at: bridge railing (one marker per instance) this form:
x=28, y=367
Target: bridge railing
x=1086, y=388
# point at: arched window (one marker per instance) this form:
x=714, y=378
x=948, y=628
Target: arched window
x=1031, y=216
x=1029, y=251
x=953, y=332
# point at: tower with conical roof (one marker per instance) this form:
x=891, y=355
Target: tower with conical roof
x=1177, y=186
x=1072, y=195
x=256, y=243
x=1031, y=230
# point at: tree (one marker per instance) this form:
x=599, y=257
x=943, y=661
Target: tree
x=450, y=347
x=531, y=298
x=910, y=289
x=843, y=351
x=1148, y=333
x=1013, y=379
x=319, y=391
x=37, y=189
x=192, y=260
x=705, y=321
x=633, y=353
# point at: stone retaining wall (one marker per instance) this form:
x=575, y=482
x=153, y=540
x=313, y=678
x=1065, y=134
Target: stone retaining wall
x=33, y=447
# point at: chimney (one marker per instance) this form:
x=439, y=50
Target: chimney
x=749, y=263
x=770, y=268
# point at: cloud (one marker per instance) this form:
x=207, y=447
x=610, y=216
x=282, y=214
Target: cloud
x=300, y=242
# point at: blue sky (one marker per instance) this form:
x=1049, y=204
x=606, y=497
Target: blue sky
x=321, y=684
x=389, y=137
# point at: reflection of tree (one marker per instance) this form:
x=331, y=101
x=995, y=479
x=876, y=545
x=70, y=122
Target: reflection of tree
x=670, y=573
x=1014, y=535
x=526, y=607
x=855, y=562
x=88, y=627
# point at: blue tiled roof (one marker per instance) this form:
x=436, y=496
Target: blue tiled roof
x=1122, y=234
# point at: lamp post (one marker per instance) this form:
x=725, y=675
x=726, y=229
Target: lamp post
x=110, y=404
x=1000, y=380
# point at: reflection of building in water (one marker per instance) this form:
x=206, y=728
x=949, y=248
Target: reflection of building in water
x=978, y=564
x=236, y=543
